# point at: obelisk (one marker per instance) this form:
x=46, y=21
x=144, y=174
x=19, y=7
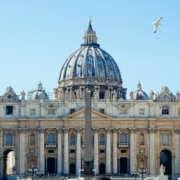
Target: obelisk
x=88, y=157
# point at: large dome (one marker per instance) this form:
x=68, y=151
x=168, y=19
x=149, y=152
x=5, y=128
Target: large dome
x=93, y=64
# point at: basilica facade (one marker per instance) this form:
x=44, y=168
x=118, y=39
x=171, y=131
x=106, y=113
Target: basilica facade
x=128, y=131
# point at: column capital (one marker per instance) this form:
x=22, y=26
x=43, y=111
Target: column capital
x=41, y=130
x=78, y=130
x=66, y=130
x=152, y=130
x=176, y=131
x=59, y=131
x=22, y=130
x=132, y=130
x=108, y=130
x=115, y=131
x=96, y=130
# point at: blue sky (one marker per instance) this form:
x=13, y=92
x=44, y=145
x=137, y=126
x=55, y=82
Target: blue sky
x=36, y=37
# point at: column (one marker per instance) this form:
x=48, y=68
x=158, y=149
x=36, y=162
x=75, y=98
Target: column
x=1, y=153
x=151, y=152
x=114, y=151
x=22, y=151
x=108, y=152
x=78, y=151
x=41, y=152
x=59, y=153
x=96, y=158
x=66, y=152
x=176, y=152
x=132, y=150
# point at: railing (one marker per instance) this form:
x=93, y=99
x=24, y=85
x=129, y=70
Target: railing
x=102, y=143
x=9, y=145
x=32, y=144
x=50, y=145
x=123, y=144
x=141, y=144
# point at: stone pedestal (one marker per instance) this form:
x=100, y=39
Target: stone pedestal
x=162, y=177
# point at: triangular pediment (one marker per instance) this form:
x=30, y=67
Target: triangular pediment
x=81, y=115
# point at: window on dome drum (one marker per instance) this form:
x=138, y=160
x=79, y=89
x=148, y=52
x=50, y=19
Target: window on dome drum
x=101, y=95
x=72, y=151
x=51, y=111
x=51, y=138
x=72, y=111
x=101, y=111
x=165, y=110
x=123, y=111
x=165, y=139
x=123, y=138
x=72, y=139
x=9, y=139
x=102, y=139
x=50, y=151
x=123, y=151
x=32, y=112
x=9, y=110
x=102, y=151
x=141, y=111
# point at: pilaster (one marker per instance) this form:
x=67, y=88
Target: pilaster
x=96, y=158
x=66, y=152
x=78, y=150
x=108, y=151
x=59, y=158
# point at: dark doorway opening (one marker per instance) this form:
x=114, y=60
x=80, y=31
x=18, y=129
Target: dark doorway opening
x=123, y=165
x=9, y=162
x=101, y=169
x=72, y=169
x=51, y=165
x=166, y=160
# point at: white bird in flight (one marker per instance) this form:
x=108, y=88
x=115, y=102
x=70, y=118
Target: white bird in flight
x=156, y=24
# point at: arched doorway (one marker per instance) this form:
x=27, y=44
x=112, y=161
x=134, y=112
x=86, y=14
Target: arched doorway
x=9, y=162
x=101, y=169
x=72, y=169
x=166, y=160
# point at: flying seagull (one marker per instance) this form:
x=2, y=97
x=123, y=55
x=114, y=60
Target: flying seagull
x=156, y=24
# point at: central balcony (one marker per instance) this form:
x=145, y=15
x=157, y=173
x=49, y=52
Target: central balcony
x=9, y=145
x=51, y=145
x=123, y=145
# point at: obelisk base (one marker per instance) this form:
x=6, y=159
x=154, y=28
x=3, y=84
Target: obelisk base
x=88, y=170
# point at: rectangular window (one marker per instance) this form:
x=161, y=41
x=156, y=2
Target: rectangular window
x=123, y=111
x=141, y=111
x=9, y=110
x=51, y=111
x=72, y=151
x=32, y=112
x=165, y=110
x=50, y=151
x=101, y=111
x=123, y=151
x=102, y=151
x=72, y=111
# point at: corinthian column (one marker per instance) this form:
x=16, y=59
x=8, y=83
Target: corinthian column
x=96, y=150
x=108, y=152
x=59, y=158
x=176, y=149
x=41, y=150
x=151, y=151
x=78, y=151
x=114, y=151
x=22, y=151
x=132, y=150
x=66, y=152
x=1, y=153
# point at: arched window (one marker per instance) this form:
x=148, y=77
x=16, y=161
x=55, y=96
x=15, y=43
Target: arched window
x=141, y=139
x=165, y=110
x=9, y=139
x=51, y=138
x=123, y=138
x=32, y=139
x=72, y=139
x=102, y=139
x=165, y=138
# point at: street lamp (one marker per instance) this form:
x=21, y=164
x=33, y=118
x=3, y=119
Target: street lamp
x=33, y=171
x=135, y=174
x=142, y=171
x=94, y=172
x=39, y=173
x=80, y=171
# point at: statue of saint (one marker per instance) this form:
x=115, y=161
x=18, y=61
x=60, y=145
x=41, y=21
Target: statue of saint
x=161, y=170
x=131, y=95
x=96, y=94
x=114, y=95
x=23, y=95
x=151, y=95
x=177, y=96
x=77, y=94
x=60, y=94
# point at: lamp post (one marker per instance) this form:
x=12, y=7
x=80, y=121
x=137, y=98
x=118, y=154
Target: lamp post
x=33, y=171
x=94, y=172
x=135, y=174
x=142, y=171
x=80, y=170
x=39, y=173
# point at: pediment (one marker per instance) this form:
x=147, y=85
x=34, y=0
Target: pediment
x=81, y=115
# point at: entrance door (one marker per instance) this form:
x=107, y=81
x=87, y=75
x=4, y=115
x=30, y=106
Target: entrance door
x=166, y=161
x=51, y=165
x=123, y=165
x=101, y=169
x=72, y=169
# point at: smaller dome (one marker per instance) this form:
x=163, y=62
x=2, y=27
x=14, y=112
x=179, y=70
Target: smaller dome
x=39, y=93
x=139, y=94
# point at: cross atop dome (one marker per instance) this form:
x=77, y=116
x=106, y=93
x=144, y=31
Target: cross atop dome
x=90, y=38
